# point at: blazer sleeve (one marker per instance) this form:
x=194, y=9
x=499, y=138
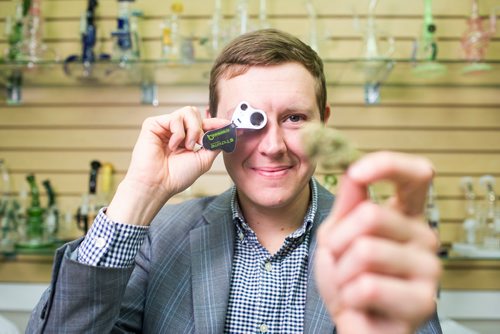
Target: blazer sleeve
x=82, y=298
x=432, y=326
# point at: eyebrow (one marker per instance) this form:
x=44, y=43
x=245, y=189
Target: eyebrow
x=295, y=108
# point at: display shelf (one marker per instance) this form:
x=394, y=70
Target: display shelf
x=348, y=72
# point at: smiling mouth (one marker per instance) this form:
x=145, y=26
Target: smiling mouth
x=272, y=171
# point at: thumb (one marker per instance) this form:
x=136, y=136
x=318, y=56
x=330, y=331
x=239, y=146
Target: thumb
x=349, y=194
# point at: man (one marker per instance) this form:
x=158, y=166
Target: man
x=243, y=261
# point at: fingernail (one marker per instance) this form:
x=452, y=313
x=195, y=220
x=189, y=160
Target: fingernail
x=197, y=147
x=355, y=171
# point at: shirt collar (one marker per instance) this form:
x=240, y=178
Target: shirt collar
x=308, y=218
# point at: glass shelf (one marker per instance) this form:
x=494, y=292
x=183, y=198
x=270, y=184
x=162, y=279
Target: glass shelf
x=347, y=72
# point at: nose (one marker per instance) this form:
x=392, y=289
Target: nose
x=272, y=140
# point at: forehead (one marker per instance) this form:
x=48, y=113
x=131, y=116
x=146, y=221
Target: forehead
x=269, y=87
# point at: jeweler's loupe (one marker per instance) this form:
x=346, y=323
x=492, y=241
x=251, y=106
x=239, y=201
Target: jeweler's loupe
x=244, y=117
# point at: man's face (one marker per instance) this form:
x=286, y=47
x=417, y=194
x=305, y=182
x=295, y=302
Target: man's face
x=269, y=166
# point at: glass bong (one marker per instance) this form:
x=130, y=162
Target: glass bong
x=490, y=215
x=425, y=50
x=88, y=36
x=8, y=212
x=14, y=34
x=470, y=224
x=34, y=217
x=375, y=64
x=476, y=38
x=33, y=49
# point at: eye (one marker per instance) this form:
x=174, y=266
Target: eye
x=296, y=118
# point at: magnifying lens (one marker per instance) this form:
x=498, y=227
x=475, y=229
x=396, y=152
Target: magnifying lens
x=244, y=117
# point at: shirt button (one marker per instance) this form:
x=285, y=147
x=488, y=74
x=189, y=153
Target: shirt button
x=100, y=242
x=241, y=235
x=264, y=328
x=268, y=266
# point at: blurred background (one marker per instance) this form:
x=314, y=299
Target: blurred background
x=77, y=77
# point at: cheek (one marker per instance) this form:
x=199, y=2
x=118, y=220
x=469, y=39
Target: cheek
x=294, y=144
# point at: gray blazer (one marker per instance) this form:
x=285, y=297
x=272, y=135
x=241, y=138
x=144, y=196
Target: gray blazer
x=179, y=284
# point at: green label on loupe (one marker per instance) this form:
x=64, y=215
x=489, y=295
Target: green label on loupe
x=221, y=139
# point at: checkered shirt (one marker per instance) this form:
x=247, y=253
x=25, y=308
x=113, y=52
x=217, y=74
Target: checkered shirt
x=111, y=244
x=268, y=292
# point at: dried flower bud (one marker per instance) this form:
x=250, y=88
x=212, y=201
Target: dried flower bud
x=328, y=146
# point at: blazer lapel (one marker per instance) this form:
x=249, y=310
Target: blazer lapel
x=211, y=259
x=316, y=317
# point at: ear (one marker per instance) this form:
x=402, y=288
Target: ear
x=327, y=113
x=207, y=112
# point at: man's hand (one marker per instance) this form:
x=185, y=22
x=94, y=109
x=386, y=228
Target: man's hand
x=376, y=265
x=165, y=161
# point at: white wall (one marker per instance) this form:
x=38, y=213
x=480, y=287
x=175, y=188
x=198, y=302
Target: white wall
x=479, y=311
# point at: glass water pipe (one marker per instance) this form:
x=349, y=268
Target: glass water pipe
x=476, y=38
x=34, y=213
x=375, y=60
x=8, y=221
x=171, y=36
x=87, y=210
x=122, y=47
x=470, y=224
x=88, y=36
x=425, y=49
x=432, y=210
x=313, y=25
x=263, y=22
x=491, y=224
x=33, y=49
x=215, y=41
x=14, y=34
x=241, y=23
x=52, y=212
x=220, y=31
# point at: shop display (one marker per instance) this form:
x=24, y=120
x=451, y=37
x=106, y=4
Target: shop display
x=431, y=209
x=88, y=36
x=241, y=22
x=35, y=236
x=263, y=22
x=376, y=63
x=33, y=49
x=370, y=67
x=313, y=25
x=470, y=224
x=425, y=49
x=88, y=207
x=124, y=48
x=14, y=34
x=476, y=39
x=52, y=212
x=9, y=219
x=482, y=221
x=489, y=214
x=171, y=40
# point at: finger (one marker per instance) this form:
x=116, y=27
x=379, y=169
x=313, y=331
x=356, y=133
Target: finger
x=410, y=174
x=325, y=271
x=353, y=321
x=350, y=194
x=369, y=219
x=193, y=127
x=178, y=133
x=381, y=256
x=394, y=298
x=214, y=123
